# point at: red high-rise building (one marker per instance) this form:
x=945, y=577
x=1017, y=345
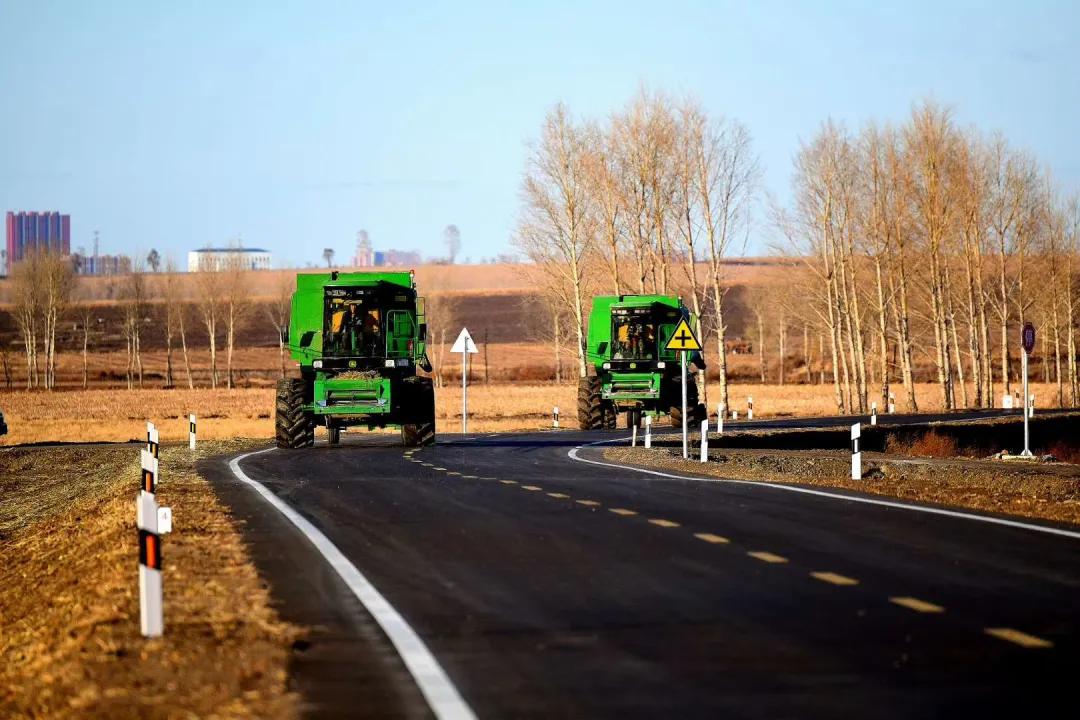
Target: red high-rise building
x=26, y=231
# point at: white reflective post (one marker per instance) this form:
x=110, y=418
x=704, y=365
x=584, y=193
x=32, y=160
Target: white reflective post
x=151, y=614
x=856, y=453
x=555, y=417
x=720, y=418
x=749, y=408
x=633, y=435
x=873, y=413
x=191, y=431
x=705, y=440
x=648, y=431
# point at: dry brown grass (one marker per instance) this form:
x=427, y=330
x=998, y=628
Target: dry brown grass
x=69, y=616
x=112, y=415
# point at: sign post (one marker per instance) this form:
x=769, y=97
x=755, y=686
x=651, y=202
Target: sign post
x=683, y=341
x=1027, y=340
x=464, y=345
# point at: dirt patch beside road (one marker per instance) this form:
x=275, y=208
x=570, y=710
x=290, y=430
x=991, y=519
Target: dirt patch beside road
x=69, y=609
x=1044, y=491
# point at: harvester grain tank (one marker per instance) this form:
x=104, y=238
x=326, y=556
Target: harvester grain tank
x=629, y=368
x=359, y=339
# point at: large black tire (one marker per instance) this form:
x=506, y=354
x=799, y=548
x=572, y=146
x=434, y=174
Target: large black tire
x=610, y=414
x=697, y=410
x=590, y=406
x=293, y=427
x=419, y=407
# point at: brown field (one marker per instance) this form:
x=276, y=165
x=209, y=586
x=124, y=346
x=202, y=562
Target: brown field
x=118, y=415
x=69, y=611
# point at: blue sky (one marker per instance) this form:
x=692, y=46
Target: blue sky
x=293, y=125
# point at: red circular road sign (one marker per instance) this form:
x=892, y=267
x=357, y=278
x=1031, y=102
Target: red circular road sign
x=1027, y=337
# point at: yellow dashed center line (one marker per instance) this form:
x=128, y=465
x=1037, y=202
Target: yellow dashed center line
x=833, y=578
x=590, y=503
x=767, y=557
x=623, y=511
x=1019, y=638
x=558, y=495
x=531, y=487
x=508, y=482
x=663, y=523
x=452, y=472
x=427, y=465
x=710, y=538
x=916, y=604
x=470, y=477
x=440, y=469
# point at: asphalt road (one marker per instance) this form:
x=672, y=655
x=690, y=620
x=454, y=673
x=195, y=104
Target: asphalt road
x=549, y=587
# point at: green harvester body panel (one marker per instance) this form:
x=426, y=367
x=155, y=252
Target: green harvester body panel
x=625, y=347
x=356, y=358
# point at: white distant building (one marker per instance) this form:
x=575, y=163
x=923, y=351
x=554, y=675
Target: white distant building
x=209, y=258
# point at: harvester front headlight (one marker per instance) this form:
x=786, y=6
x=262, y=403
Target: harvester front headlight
x=661, y=365
x=389, y=363
x=317, y=364
x=607, y=366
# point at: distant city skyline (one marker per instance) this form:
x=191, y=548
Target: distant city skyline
x=292, y=125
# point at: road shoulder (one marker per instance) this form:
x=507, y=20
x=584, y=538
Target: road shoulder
x=343, y=665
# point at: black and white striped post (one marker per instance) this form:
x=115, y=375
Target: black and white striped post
x=720, y=418
x=856, y=453
x=151, y=610
x=149, y=472
x=152, y=444
x=191, y=431
x=704, y=440
x=873, y=413
x=633, y=434
x=749, y=408
x=555, y=417
x=892, y=403
x=648, y=431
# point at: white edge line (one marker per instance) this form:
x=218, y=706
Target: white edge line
x=573, y=454
x=441, y=695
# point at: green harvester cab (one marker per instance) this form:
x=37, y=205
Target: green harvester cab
x=629, y=369
x=359, y=338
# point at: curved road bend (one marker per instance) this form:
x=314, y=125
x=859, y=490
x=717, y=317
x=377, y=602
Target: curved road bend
x=546, y=586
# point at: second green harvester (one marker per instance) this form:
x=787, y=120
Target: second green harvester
x=359, y=339
x=629, y=369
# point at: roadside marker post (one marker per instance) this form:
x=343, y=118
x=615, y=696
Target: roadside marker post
x=1031, y=405
x=648, y=431
x=734, y=415
x=191, y=431
x=720, y=418
x=152, y=444
x=873, y=413
x=149, y=472
x=1006, y=402
x=1027, y=342
x=633, y=434
x=555, y=417
x=151, y=611
x=892, y=404
x=749, y=408
x=856, y=453
x=705, y=440
x=683, y=341
x=464, y=345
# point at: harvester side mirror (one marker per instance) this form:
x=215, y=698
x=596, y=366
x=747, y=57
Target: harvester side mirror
x=421, y=332
x=602, y=348
x=306, y=338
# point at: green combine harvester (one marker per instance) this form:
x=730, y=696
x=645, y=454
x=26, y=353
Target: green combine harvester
x=359, y=338
x=629, y=369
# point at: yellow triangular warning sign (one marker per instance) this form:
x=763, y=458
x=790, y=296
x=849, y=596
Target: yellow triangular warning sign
x=683, y=338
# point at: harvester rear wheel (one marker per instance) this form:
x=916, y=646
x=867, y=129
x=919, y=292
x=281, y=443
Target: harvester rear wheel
x=293, y=427
x=590, y=410
x=611, y=416
x=420, y=404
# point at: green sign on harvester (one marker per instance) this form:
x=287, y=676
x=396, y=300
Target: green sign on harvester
x=683, y=338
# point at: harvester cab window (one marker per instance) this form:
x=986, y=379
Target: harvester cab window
x=633, y=337
x=353, y=328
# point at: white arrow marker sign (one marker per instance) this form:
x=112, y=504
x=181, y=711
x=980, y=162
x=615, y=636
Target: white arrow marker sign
x=464, y=345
